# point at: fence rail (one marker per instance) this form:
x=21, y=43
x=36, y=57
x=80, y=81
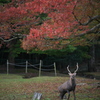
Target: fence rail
x=39, y=66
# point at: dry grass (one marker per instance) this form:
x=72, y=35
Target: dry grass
x=14, y=87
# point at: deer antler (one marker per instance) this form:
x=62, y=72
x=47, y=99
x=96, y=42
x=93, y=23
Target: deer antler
x=77, y=68
x=68, y=69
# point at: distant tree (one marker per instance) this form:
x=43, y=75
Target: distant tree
x=5, y=1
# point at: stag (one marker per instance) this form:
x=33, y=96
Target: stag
x=69, y=85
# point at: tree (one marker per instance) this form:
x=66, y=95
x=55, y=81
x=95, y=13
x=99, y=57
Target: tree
x=49, y=24
x=63, y=22
x=11, y=27
x=63, y=27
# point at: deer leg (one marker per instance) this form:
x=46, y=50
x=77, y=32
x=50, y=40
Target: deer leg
x=74, y=95
x=62, y=95
x=68, y=95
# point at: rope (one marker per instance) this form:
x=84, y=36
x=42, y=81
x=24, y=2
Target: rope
x=34, y=66
x=22, y=63
x=42, y=68
x=47, y=65
x=47, y=69
x=17, y=65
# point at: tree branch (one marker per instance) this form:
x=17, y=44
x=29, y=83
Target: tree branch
x=18, y=36
x=88, y=21
x=91, y=19
x=8, y=40
x=91, y=30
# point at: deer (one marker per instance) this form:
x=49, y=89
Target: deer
x=69, y=85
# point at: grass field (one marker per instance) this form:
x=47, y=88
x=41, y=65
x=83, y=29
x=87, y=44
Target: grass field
x=14, y=87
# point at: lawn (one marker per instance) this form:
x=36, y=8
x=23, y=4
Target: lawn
x=14, y=87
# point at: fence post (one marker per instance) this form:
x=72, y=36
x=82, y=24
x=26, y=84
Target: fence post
x=7, y=67
x=26, y=66
x=40, y=68
x=55, y=69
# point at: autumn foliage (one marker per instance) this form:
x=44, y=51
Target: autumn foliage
x=46, y=24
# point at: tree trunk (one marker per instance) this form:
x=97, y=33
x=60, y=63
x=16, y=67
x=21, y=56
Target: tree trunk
x=11, y=59
x=91, y=67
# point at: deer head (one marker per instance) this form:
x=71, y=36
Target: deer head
x=72, y=75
